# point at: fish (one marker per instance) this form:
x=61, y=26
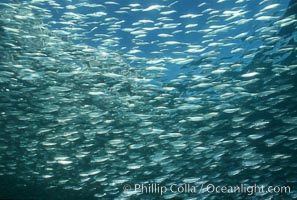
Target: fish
x=98, y=99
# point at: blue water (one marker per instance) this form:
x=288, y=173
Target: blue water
x=126, y=43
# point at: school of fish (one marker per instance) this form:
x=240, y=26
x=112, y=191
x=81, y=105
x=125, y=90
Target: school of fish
x=86, y=111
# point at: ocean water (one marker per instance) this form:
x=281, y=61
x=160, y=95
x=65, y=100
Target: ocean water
x=133, y=99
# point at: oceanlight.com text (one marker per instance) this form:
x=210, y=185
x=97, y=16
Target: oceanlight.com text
x=155, y=188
